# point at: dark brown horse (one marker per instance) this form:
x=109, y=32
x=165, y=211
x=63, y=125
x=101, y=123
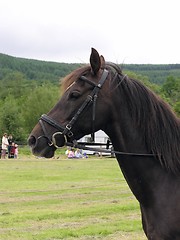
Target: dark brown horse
x=145, y=134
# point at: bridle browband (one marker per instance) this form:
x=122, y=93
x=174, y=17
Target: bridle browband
x=66, y=131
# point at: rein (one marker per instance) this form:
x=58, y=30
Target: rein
x=111, y=152
x=66, y=131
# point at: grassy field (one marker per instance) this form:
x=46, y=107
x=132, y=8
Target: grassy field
x=66, y=199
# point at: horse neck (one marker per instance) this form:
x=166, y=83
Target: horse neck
x=124, y=136
x=139, y=172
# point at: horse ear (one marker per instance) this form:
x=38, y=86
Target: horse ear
x=95, y=61
x=102, y=61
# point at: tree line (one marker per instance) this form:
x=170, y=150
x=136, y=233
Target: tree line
x=30, y=88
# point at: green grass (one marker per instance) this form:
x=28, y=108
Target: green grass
x=66, y=199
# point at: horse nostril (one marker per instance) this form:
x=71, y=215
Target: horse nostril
x=31, y=141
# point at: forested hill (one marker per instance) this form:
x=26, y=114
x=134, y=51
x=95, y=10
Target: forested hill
x=53, y=71
x=34, y=69
x=156, y=73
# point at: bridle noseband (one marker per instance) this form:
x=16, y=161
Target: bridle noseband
x=66, y=132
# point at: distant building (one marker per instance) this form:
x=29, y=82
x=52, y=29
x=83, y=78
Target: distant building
x=100, y=137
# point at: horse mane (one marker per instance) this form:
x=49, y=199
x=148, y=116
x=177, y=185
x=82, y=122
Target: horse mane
x=159, y=125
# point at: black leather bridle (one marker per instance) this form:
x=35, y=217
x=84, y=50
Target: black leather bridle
x=66, y=132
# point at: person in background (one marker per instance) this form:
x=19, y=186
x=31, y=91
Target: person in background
x=11, y=155
x=67, y=151
x=71, y=153
x=4, y=146
x=85, y=155
x=16, y=151
x=78, y=154
x=10, y=141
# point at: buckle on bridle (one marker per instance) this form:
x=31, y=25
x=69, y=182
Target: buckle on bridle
x=67, y=131
x=54, y=139
x=70, y=134
x=68, y=127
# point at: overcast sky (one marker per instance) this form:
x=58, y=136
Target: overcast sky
x=123, y=31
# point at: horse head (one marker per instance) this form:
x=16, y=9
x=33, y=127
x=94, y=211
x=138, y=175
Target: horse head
x=78, y=112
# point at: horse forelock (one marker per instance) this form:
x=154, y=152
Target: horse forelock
x=72, y=77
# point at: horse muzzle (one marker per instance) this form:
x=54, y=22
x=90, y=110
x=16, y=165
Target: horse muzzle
x=44, y=147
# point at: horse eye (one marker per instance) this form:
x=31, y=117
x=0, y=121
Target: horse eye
x=75, y=95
